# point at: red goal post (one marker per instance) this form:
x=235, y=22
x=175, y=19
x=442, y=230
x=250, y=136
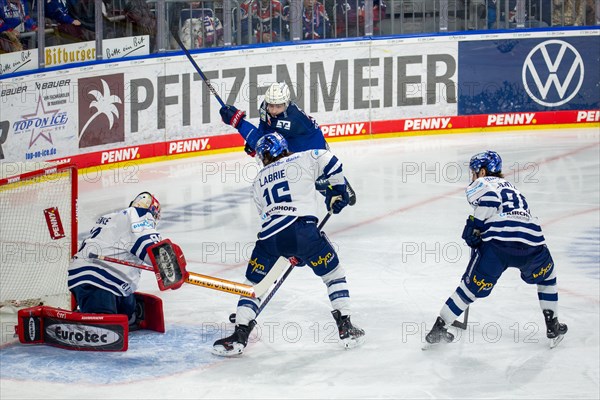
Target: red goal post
x=38, y=233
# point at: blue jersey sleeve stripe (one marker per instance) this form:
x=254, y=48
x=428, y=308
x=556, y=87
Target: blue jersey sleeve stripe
x=139, y=242
x=326, y=171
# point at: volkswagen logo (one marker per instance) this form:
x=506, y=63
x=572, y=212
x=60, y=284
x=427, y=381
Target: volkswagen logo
x=549, y=70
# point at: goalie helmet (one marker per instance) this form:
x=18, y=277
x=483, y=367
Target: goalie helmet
x=270, y=146
x=490, y=160
x=278, y=93
x=149, y=202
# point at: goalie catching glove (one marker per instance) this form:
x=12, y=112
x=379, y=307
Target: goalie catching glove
x=231, y=115
x=336, y=198
x=472, y=232
x=169, y=264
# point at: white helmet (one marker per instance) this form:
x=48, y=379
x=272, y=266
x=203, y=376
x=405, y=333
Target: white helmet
x=278, y=93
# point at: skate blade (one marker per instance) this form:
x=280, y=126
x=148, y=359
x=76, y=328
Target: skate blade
x=221, y=351
x=554, y=342
x=350, y=343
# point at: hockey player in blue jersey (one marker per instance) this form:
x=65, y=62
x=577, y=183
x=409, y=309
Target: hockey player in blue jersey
x=279, y=114
x=287, y=201
x=502, y=233
x=105, y=287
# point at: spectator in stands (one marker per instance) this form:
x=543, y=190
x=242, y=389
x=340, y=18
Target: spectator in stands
x=57, y=10
x=350, y=17
x=206, y=31
x=264, y=18
x=142, y=19
x=14, y=20
x=568, y=12
x=315, y=22
x=84, y=12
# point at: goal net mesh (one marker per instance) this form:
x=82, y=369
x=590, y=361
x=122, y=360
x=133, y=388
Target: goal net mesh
x=37, y=233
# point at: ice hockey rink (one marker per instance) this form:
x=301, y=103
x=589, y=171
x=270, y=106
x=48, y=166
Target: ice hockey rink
x=401, y=247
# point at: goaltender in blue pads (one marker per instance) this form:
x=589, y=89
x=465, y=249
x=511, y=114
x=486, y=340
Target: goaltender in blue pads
x=287, y=202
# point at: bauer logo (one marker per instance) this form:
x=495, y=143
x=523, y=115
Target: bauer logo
x=55, y=226
x=101, y=119
x=553, y=73
x=80, y=336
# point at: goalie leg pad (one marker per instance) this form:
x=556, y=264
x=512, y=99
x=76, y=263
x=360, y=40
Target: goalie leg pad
x=149, y=312
x=72, y=330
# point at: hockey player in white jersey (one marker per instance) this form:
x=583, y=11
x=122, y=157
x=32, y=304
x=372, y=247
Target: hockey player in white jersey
x=502, y=233
x=106, y=287
x=287, y=202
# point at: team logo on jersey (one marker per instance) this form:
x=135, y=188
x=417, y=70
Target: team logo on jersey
x=553, y=64
x=322, y=260
x=284, y=125
x=482, y=284
x=543, y=271
x=55, y=226
x=142, y=225
x=257, y=266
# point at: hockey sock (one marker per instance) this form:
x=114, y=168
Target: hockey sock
x=548, y=294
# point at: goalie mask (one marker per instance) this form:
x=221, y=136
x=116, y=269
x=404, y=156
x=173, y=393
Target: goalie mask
x=271, y=146
x=490, y=160
x=149, y=202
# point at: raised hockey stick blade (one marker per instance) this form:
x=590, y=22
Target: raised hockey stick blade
x=204, y=78
x=462, y=325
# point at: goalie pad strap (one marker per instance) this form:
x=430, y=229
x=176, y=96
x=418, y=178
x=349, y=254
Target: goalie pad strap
x=72, y=330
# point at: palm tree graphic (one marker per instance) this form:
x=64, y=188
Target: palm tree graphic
x=104, y=105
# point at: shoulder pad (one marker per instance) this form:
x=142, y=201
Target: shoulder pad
x=476, y=189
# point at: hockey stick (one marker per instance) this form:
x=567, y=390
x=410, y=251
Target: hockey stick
x=204, y=78
x=462, y=325
x=206, y=281
x=282, y=279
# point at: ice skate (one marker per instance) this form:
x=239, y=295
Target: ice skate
x=350, y=336
x=234, y=344
x=438, y=334
x=555, y=331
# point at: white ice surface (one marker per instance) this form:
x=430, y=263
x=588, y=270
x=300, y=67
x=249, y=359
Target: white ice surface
x=403, y=254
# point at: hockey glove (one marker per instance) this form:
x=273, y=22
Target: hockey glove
x=231, y=115
x=336, y=198
x=471, y=233
x=249, y=150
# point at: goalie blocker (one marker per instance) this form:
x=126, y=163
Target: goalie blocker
x=88, y=332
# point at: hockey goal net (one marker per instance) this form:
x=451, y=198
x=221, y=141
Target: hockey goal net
x=38, y=233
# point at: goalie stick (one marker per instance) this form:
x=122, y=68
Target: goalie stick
x=172, y=278
x=279, y=282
